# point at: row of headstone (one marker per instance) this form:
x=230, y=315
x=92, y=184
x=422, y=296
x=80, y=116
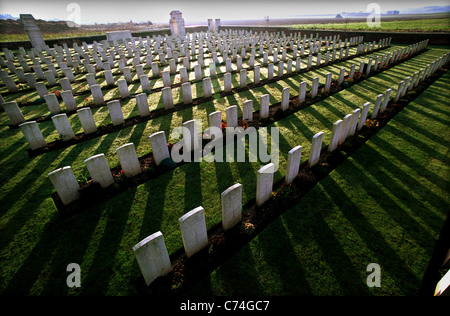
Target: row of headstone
x=51, y=73
x=68, y=188
x=62, y=124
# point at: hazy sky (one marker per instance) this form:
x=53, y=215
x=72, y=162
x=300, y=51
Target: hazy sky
x=103, y=11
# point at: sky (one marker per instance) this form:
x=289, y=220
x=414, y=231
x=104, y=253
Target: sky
x=157, y=11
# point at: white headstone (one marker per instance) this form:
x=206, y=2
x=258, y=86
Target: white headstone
x=115, y=112
x=316, y=147
x=232, y=116
x=152, y=257
x=293, y=164
x=142, y=104
x=264, y=106
x=193, y=231
x=14, y=114
x=87, y=120
x=33, y=134
x=335, y=134
x=231, y=200
x=159, y=147
x=65, y=184
x=167, y=98
x=128, y=160
x=63, y=127
x=99, y=170
x=264, y=183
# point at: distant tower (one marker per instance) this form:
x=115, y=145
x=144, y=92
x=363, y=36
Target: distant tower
x=177, y=23
x=33, y=31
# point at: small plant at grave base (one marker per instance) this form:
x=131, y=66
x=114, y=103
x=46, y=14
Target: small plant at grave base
x=58, y=94
x=285, y=195
x=223, y=126
x=372, y=124
x=357, y=75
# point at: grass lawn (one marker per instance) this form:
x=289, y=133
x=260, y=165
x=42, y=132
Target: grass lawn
x=386, y=204
x=422, y=25
x=36, y=245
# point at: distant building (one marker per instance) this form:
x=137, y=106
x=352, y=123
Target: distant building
x=177, y=23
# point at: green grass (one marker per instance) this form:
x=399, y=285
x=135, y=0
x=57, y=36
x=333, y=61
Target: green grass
x=386, y=204
x=425, y=25
x=37, y=245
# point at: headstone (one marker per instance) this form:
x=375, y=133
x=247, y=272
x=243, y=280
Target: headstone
x=264, y=106
x=123, y=88
x=293, y=164
x=115, y=112
x=207, y=87
x=159, y=147
x=193, y=231
x=87, y=120
x=142, y=104
x=227, y=82
x=386, y=100
x=376, y=107
x=232, y=116
x=231, y=200
x=152, y=257
x=248, y=110
x=243, y=78
x=257, y=74
x=69, y=100
x=335, y=134
x=315, y=87
x=264, y=183
x=33, y=134
x=63, y=127
x=354, y=123
x=302, y=92
x=99, y=170
x=97, y=94
x=167, y=98
x=187, y=92
x=10, y=84
x=128, y=160
x=52, y=103
x=65, y=184
x=285, y=98
x=345, y=128
x=316, y=147
x=145, y=82
x=363, y=116
x=13, y=112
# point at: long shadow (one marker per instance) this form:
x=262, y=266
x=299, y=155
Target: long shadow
x=193, y=184
x=415, y=186
x=313, y=224
x=154, y=209
x=102, y=267
x=388, y=259
x=234, y=280
x=279, y=254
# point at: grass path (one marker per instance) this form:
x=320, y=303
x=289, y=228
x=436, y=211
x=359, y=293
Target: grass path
x=386, y=204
